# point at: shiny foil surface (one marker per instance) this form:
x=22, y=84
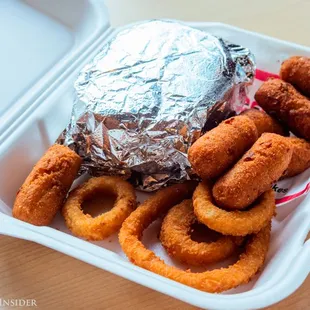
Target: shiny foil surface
x=148, y=95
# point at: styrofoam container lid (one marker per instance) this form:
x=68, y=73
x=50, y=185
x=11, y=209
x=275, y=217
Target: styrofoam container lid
x=43, y=42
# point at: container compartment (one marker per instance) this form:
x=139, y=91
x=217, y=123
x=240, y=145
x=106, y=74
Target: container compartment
x=287, y=262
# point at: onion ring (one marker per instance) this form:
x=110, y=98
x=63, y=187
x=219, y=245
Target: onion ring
x=234, y=223
x=175, y=238
x=102, y=226
x=215, y=281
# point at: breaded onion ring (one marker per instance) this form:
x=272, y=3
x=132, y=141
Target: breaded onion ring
x=234, y=223
x=176, y=239
x=215, y=281
x=102, y=226
x=45, y=189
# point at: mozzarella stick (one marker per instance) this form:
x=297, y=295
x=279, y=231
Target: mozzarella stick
x=282, y=100
x=254, y=173
x=296, y=71
x=264, y=122
x=300, y=158
x=46, y=187
x=217, y=150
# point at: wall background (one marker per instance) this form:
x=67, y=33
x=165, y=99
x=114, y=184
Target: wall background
x=284, y=19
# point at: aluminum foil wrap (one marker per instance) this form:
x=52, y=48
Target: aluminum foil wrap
x=148, y=95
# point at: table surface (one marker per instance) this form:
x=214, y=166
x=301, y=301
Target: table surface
x=56, y=281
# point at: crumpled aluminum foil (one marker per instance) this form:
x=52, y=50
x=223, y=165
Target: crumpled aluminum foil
x=148, y=95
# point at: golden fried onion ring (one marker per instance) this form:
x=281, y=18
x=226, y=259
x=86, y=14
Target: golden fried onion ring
x=234, y=223
x=176, y=239
x=102, y=226
x=214, y=281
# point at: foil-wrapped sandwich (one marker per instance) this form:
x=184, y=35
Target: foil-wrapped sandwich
x=149, y=93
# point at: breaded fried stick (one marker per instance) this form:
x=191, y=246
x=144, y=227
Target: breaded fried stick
x=217, y=150
x=296, y=71
x=254, y=173
x=46, y=187
x=300, y=158
x=264, y=122
x=282, y=100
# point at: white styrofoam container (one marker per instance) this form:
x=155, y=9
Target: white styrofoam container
x=46, y=45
